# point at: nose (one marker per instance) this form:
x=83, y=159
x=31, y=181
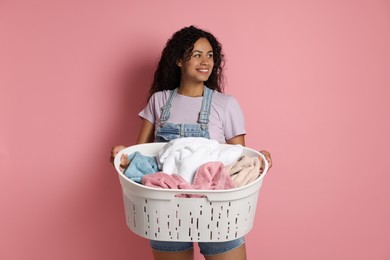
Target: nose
x=204, y=61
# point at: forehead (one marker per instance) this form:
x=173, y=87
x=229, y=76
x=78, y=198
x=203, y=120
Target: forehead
x=202, y=45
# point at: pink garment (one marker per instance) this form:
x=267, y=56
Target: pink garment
x=245, y=170
x=165, y=181
x=209, y=176
x=212, y=176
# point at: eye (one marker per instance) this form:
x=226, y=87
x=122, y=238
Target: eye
x=197, y=55
x=210, y=55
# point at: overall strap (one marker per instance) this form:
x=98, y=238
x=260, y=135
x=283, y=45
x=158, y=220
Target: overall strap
x=166, y=109
x=206, y=106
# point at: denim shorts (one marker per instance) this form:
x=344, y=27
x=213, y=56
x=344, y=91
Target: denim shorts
x=206, y=248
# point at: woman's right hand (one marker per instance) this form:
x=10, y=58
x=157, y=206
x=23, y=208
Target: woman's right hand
x=114, y=151
x=124, y=158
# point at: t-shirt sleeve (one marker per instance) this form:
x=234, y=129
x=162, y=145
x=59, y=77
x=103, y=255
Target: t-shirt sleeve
x=149, y=112
x=234, y=119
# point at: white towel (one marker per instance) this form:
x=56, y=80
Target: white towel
x=231, y=154
x=183, y=156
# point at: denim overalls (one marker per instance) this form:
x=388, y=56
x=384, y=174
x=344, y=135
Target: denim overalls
x=168, y=131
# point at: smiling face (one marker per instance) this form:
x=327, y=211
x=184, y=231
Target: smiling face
x=199, y=66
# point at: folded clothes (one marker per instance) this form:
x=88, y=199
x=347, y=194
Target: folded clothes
x=209, y=176
x=140, y=165
x=245, y=170
x=184, y=155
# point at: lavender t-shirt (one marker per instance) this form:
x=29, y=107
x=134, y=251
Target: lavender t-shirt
x=226, y=117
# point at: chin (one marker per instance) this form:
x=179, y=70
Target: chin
x=204, y=78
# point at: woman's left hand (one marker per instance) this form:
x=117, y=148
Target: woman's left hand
x=267, y=157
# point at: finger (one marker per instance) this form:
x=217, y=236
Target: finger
x=268, y=157
x=124, y=161
x=269, y=160
x=113, y=154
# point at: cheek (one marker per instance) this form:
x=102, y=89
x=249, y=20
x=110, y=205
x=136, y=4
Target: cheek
x=190, y=63
x=186, y=66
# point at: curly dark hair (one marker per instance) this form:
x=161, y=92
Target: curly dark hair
x=180, y=46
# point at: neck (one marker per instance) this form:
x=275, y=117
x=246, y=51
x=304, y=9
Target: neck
x=193, y=90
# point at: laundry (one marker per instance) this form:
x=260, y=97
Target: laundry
x=139, y=166
x=165, y=181
x=185, y=155
x=212, y=176
x=245, y=170
x=209, y=176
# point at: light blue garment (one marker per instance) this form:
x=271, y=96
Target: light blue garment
x=139, y=166
x=168, y=131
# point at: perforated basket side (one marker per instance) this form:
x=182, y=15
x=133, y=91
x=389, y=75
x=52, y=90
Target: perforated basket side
x=190, y=219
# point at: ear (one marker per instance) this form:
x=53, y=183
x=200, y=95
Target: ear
x=179, y=63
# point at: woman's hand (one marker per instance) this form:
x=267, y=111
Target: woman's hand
x=124, y=158
x=114, y=151
x=267, y=157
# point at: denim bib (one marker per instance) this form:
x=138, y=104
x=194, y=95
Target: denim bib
x=169, y=131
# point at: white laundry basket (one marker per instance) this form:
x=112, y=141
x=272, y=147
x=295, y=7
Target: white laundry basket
x=157, y=214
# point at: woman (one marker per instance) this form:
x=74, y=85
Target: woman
x=186, y=100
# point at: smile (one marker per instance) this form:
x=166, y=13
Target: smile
x=203, y=70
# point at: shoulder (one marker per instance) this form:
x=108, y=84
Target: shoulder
x=224, y=100
x=160, y=96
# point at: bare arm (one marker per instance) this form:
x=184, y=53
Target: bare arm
x=239, y=139
x=146, y=134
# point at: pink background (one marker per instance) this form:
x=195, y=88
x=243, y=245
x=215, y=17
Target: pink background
x=313, y=80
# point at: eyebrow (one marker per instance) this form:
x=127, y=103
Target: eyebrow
x=200, y=51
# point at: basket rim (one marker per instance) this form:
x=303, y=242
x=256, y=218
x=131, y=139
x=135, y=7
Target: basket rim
x=122, y=176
